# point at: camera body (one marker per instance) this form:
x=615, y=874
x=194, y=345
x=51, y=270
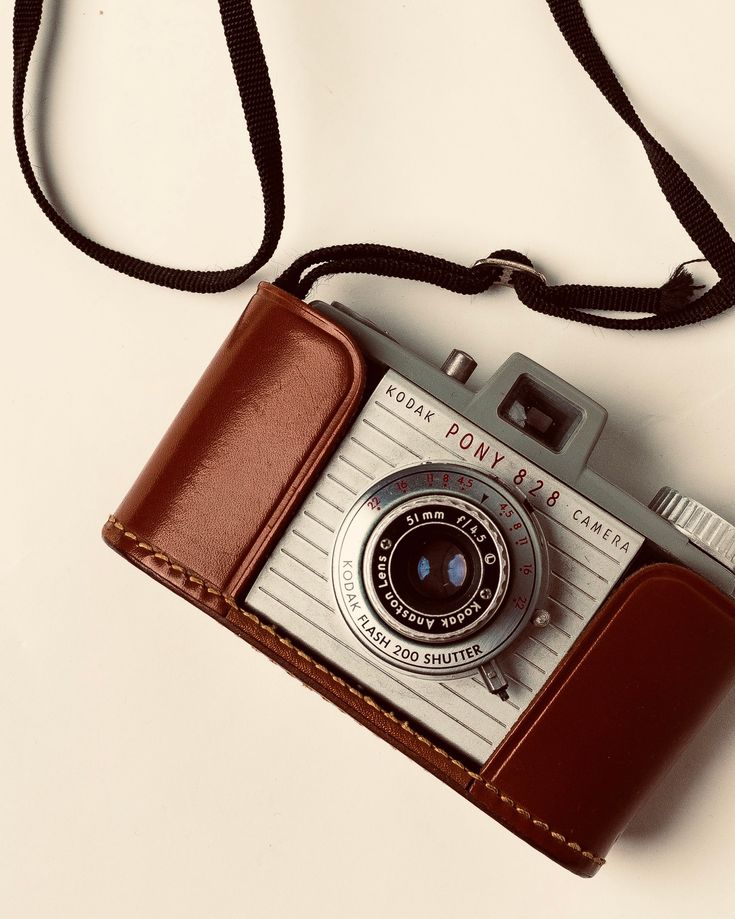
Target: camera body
x=429, y=462
x=444, y=564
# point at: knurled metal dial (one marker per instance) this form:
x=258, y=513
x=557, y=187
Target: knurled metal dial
x=698, y=523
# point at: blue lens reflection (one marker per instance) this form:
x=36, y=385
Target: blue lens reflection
x=456, y=569
x=424, y=568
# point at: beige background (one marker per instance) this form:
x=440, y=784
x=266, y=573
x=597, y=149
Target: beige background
x=152, y=765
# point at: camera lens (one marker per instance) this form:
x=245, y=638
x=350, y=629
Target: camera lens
x=441, y=570
x=433, y=564
x=435, y=568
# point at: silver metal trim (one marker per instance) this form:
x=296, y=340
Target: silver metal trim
x=509, y=269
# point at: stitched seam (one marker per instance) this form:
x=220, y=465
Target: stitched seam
x=194, y=578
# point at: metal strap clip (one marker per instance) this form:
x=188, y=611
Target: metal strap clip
x=509, y=269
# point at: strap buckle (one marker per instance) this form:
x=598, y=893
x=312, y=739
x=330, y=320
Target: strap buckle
x=509, y=269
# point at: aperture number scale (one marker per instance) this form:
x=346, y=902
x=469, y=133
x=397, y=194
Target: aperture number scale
x=465, y=483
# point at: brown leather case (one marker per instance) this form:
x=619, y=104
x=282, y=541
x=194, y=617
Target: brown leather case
x=238, y=460
x=247, y=443
x=653, y=663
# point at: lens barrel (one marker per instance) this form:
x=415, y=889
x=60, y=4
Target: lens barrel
x=436, y=568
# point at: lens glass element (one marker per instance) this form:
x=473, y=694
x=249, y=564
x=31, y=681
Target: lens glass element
x=441, y=569
x=434, y=567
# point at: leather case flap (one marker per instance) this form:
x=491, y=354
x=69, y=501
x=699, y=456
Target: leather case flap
x=650, y=667
x=250, y=438
x=237, y=460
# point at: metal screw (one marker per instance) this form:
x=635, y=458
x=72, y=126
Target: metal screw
x=542, y=619
x=385, y=544
x=486, y=594
x=490, y=559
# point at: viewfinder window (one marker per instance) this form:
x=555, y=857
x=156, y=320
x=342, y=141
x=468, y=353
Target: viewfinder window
x=541, y=413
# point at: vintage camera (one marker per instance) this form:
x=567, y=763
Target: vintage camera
x=457, y=543
x=444, y=564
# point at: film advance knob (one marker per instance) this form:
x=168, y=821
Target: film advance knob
x=698, y=523
x=459, y=365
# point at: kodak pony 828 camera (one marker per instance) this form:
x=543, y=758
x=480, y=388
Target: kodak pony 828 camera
x=444, y=565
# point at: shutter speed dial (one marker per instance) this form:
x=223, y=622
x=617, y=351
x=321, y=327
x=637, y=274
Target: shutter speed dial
x=698, y=523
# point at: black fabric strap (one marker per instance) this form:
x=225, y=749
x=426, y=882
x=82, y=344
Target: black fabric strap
x=253, y=82
x=668, y=306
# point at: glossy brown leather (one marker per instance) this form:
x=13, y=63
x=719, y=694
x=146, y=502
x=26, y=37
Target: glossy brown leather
x=235, y=463
x=238, y=460
x=248, y=441
x=650, y=667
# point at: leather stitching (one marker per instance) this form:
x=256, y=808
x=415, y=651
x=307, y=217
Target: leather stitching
x=213, y=591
